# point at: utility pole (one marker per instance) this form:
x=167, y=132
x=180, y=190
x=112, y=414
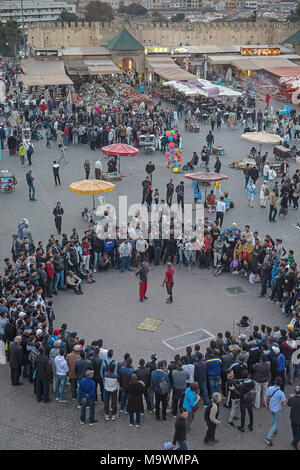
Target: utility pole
x=23, y=29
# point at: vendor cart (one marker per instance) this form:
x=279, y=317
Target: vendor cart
x=26, y=134
x=8, y=181
x=281, y=152
x=147, y=142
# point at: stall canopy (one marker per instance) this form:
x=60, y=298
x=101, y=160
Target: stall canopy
x=76, y=67
x=254, y=63
x=285, y=71
x=43, y=72
x=101, y=66
x=166, y=68
x=201, y=87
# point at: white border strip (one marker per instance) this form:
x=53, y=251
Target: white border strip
x=189, y=344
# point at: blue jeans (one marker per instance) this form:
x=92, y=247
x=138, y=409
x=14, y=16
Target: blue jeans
x=181, y=445
x=31, y=191
x=97, y=256
x=125, y=261
x=131, y=417
x=91, y=404
x=275, y=424
x=79, y=397
x=296, y=433
x=203, y=392
x=60, y=386
x=214, y=383
x=59, y=278
x=2, y=142
x=272, y=213
x=263, y=286
x=124, y=400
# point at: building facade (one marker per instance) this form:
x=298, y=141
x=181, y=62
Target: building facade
x=33, y=11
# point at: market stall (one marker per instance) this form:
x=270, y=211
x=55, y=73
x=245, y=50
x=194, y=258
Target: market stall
x=206, y=177
x=120, y=150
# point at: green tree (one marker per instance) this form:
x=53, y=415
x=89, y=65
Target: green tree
x=99, y=11
x=13, y=35
x=178, y=18
x=134, y=9
x=67, y=16
x=294, y=14
x=4, y=46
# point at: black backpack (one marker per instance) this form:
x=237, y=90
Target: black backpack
x=207, y=412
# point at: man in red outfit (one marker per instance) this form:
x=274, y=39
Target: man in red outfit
x=143, y=275
x=168, y=281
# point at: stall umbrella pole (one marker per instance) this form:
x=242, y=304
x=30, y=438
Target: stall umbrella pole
x=94, y=202
x=119, y=164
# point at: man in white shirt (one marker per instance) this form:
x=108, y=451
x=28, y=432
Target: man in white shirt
x=220, y=210
x=266, y=172
x=141, y=247
x=98, y=169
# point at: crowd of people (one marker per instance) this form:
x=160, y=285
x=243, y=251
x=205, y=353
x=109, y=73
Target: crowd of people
x=243, y=371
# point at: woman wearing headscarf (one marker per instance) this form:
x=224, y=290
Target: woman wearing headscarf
x=135, y=391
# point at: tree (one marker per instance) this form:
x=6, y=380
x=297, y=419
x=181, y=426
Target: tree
x=67, y=16
x=178, y=18
x=13, y=35
x=4, y=46
x=134, y=9
x=99, y=11
x=294, y=14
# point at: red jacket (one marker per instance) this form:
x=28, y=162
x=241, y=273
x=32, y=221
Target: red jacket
x=85, y=248
x=49, y=269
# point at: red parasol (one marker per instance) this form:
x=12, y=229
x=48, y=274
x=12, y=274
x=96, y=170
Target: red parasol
x=206, y=177
x=120, y=150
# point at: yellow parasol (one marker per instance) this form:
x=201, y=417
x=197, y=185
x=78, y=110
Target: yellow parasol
x=91, y=187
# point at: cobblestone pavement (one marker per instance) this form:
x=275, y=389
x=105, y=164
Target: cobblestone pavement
x=110, y=309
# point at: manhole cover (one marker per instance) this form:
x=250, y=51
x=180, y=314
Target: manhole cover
x=237, y=290
x=187, y=339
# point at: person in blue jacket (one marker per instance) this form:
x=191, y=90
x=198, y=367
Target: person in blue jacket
x=109, y=248
x=87, y=388
x=190, y=401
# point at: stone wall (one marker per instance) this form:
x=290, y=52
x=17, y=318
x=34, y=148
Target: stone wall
x=43, y=35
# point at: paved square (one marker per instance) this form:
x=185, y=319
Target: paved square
x=188, y=339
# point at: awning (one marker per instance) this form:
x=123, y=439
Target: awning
x=245, y=64
x=254, y=63
x=44, y=72
x=285, y=71
x=166, y=68
x=76, y=67
x=101, y=66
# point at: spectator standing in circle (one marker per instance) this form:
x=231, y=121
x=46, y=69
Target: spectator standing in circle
x=275, y=400
x=211, y=415
x=294, y=404
x=135, y=390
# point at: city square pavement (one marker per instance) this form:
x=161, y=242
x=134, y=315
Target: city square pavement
x=110, y=308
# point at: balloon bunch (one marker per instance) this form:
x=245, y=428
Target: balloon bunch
x=173, y=154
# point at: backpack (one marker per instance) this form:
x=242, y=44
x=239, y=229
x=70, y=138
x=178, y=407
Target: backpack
x=280, y=362
x=163, y=387
x=106, y=365
x=249, y=397
x=207, y=412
